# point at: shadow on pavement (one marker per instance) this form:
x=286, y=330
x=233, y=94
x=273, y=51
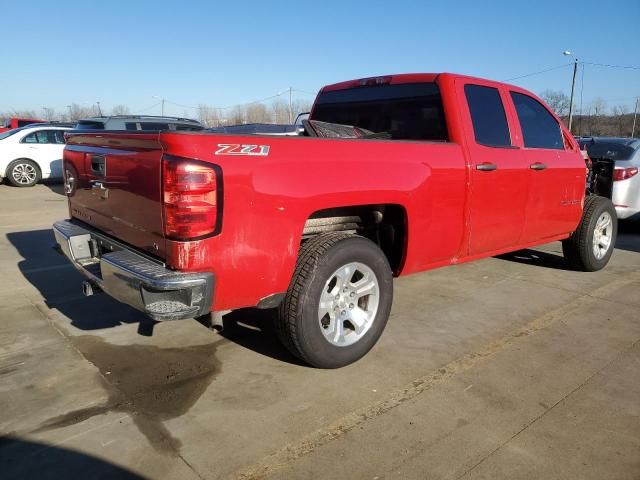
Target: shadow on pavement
x=20, y=459
x=56, y=186
x=254, y=330
x=629, y=236
x=59, y=285
x=628, y=239
x=536, y=258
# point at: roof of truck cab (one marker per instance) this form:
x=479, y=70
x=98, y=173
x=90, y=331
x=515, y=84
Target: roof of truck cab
x=407, y=78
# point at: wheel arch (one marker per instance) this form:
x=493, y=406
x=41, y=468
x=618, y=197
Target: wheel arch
x=386, y=224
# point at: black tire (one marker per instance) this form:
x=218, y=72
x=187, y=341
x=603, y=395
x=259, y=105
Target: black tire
x=578, y=249
x=27, y=164
x=297, y=323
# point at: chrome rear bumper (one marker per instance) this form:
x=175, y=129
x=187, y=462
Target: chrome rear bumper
x=134, y=279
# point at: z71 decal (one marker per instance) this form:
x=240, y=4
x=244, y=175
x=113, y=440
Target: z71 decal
x=238, y=149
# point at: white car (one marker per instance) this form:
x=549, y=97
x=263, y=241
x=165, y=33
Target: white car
x=32, y=153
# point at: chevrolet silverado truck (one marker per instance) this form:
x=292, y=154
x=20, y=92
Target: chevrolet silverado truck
x=395, y=175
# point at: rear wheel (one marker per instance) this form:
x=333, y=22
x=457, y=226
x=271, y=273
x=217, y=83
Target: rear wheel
x=590, y=247
x=23, y=173
x=338, y=302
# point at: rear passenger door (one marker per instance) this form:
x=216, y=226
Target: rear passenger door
x=556, y=170
x=499, y=175
x=45, y=148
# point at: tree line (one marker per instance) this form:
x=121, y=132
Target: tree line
x=597, y=118
x=278, y=111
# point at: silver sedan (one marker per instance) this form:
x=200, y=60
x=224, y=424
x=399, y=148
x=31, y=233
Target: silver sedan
x=626, y=175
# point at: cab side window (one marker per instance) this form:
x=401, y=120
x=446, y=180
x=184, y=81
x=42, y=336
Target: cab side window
x=490, y=125
x=539, y=128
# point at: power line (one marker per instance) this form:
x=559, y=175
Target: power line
x=229, y=107
x=539, y=72
x=179, y=104
x=305, y=92
x=626, y=67
x=148, y=108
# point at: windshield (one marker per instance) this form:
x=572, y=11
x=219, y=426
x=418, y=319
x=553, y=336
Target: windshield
x=411, y=111
x=608, y=149
x=8, y=133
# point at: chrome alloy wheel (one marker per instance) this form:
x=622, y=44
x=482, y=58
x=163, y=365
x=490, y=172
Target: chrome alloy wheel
x=348, y=304
x=602, y=235
x=24, y=173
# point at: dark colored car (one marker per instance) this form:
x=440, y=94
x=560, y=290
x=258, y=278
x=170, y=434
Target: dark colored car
x=138, y=122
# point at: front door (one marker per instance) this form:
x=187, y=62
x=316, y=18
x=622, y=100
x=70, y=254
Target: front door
x=499, y=174
x=556, y=170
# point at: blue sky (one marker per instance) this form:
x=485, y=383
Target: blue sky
x=224, y=53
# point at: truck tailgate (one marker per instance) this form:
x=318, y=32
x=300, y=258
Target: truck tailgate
x=113, y=181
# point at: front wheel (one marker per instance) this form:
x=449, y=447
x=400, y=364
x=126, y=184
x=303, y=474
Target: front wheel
x=589, y=248
x=338, y=302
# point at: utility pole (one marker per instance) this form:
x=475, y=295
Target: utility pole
x=99, y=109
x=635, y=115
x=161, y=102
x=69, y=107
x=290, y=105
x=573, y=86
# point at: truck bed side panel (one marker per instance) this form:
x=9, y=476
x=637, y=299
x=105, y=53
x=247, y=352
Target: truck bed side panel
x=267, y=200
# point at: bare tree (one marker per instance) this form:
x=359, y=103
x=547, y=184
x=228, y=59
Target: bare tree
x=209, y=116
x=557, y=100
x=280, y=111
x=256, y=113
x=48, y=114
x=237, y=115
x=620, y=113
x=120, y=110
x=77, y=112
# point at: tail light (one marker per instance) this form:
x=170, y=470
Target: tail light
x=624, y=173
x=192, y=198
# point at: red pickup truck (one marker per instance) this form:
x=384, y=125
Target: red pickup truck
x=395, y=175
x=12, y=123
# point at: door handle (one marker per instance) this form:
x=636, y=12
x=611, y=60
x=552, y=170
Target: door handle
x=486, y=167
x=537, y=166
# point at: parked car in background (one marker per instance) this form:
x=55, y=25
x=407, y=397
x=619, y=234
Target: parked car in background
x=294, y=129
x=625, y=153
x=12, y=123
x=32, y=153
x=138, y=122
x=257, y=129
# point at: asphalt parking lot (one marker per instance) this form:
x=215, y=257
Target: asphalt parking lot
x=510, y=367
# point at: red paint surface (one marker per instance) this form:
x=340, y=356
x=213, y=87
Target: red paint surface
x=14, y=123
x=454, y=212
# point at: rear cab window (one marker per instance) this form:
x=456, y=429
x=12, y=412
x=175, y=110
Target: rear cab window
x=490, y=127
x=411, y=111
